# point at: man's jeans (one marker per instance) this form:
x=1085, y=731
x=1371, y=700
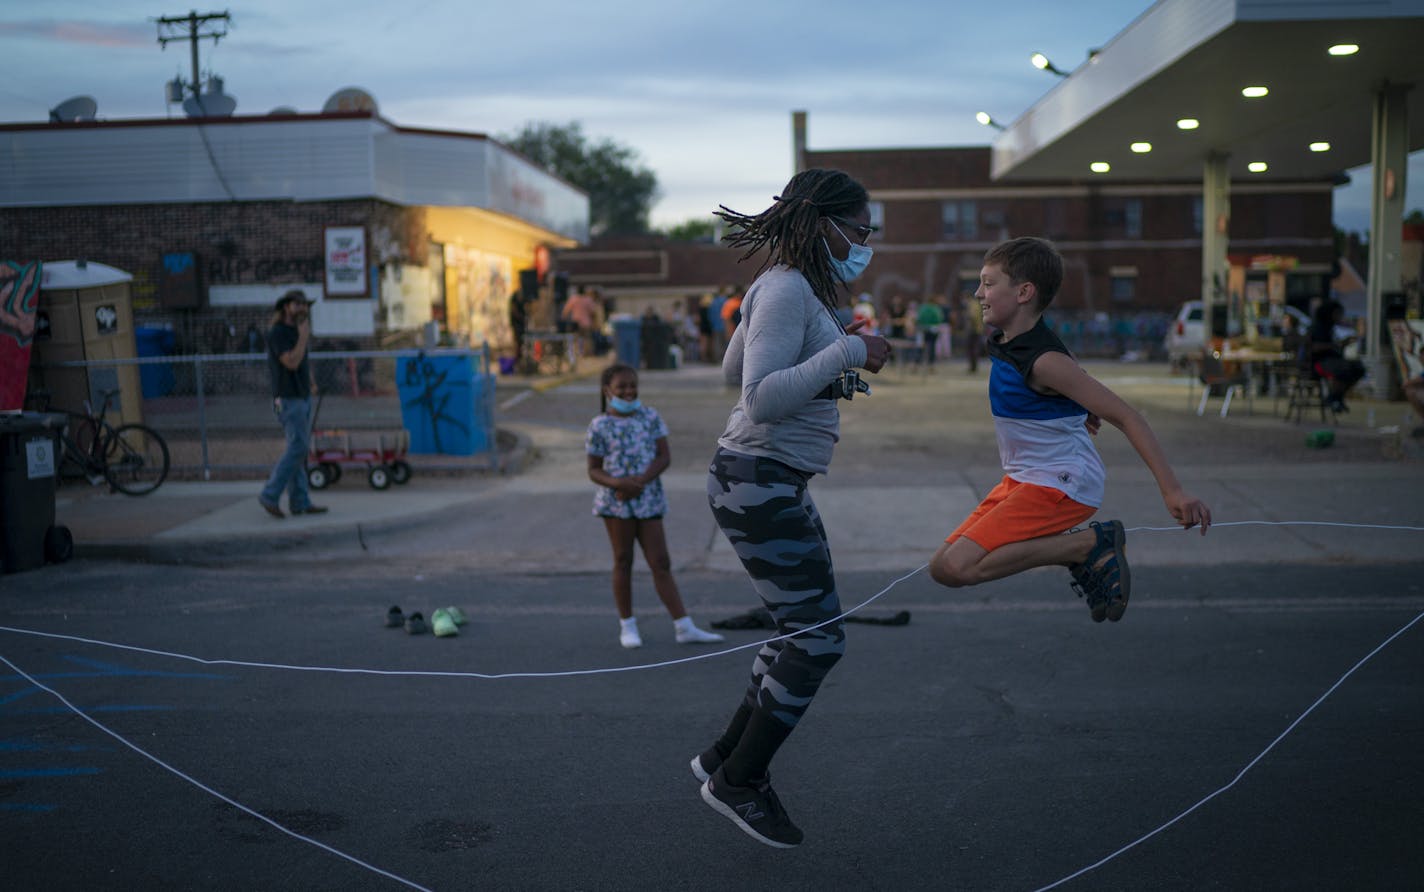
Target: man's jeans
x=291, y=470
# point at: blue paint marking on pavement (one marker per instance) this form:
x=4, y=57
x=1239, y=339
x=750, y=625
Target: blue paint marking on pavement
x=18, y=695
x=96, y=669
x=114, y=669
x=30, y=745
x=27, y=773
x=118, y=707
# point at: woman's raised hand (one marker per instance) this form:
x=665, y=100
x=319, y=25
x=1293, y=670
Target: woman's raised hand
x=877, y=349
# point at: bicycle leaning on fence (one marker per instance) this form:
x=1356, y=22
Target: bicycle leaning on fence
x=133, y=458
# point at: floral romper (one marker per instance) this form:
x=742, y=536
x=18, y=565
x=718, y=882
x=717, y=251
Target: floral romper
x=628, y=444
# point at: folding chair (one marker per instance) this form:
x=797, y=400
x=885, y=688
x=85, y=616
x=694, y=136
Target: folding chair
x=1307, y=390
x=1213, y=375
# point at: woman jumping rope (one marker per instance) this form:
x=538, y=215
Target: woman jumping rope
x=792, y=361
x=627, y=452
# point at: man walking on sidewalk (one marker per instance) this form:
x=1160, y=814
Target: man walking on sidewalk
x=292, y=386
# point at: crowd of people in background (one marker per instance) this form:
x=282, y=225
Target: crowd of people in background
x=931, y=328
x=936, y=325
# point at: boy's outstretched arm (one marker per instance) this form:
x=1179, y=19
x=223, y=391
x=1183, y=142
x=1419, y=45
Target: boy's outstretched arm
x=1059, y=373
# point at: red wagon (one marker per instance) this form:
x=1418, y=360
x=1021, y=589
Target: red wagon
x=381, y=453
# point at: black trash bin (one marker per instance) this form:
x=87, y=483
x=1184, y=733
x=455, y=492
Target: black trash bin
x=29, y=474
x=657, y=338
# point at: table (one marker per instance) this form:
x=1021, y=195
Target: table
x=1268, y=361
x=1248, y=360
x=551, y=347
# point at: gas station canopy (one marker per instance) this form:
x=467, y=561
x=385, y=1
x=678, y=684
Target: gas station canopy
x=1191, y=59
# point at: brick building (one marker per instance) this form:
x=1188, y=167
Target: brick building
x=1132, y=251
x=216, y=217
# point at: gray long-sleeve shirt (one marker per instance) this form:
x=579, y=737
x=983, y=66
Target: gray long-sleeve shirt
x=787, y=349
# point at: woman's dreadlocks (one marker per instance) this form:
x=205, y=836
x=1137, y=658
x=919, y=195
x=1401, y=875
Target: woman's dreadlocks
x=788, y=229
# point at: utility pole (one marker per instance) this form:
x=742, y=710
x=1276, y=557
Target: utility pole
x=193, y=22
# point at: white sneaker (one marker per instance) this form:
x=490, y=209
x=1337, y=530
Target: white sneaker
x=628, y=635
x=687, y=633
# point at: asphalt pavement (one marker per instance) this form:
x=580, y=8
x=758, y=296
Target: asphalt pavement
x=1255, y=721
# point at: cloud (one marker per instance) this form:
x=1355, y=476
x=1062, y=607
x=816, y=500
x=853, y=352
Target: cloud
x=86, y=33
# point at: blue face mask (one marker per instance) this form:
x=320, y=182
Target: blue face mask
x=624, y=407
x=854, y=264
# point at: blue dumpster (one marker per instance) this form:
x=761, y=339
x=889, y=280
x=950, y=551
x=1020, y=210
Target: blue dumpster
x=155, y=379
x=628, y=339
x=446, y=405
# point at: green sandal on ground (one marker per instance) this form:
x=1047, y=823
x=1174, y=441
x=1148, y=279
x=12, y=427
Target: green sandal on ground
x=442, y=623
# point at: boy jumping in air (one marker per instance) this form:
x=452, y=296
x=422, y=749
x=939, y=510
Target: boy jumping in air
x=1046, y=409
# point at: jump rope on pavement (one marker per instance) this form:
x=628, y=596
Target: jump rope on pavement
x=657, y=665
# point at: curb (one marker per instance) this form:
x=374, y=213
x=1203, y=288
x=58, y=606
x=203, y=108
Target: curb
x=209, y=550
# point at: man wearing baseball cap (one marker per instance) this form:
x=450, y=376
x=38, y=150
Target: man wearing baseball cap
x=292, y=387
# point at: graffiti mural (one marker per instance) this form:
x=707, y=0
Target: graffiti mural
x=19, y=296
x=478, y=299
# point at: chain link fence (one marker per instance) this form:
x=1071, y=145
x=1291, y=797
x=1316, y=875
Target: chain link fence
x=215, y=410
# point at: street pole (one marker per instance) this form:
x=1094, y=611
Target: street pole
x=194, y=22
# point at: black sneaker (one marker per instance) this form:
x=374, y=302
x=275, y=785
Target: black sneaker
x=703, y=765
x=753, y=808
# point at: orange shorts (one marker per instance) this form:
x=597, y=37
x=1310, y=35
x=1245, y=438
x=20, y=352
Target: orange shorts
x=1015, y=512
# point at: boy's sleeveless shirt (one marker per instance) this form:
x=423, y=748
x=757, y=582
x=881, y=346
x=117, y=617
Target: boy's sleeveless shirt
x=1042, y=439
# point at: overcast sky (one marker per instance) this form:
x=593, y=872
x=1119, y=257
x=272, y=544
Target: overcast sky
x=702, y=91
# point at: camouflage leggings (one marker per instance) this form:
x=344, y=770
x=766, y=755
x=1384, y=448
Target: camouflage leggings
x=764, y=510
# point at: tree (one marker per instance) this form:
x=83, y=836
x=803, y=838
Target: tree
x=620, y=191
x=695, y=229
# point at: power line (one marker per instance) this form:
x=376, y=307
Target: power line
x=193, y=22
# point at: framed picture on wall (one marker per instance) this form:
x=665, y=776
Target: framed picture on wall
x=345, y=256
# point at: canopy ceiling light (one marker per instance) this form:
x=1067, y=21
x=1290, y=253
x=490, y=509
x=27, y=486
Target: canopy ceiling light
x=983, y=118
x=1320, y=146
x=1254, y=92
x=1040, y=61
x=1257, y=167
x=1188, y=124
x=1100, y=167
x=1344, y=49
x=1141, y=148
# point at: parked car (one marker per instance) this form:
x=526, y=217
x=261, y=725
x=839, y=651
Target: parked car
x=1185, y=334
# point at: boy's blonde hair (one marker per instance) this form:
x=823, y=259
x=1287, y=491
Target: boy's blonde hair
x=1032, y=260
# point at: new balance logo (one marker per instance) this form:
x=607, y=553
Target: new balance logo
x=749, y=811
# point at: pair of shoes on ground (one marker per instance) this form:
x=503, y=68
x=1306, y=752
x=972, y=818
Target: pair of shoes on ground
x=683, y=629
x=445, y=621
x=275, y=510
x=755, y=808
x=1103, y=580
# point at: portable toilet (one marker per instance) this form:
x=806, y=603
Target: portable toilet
x=85, y=313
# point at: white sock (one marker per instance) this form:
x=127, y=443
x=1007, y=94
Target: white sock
x=629, y=623
x=684, y=623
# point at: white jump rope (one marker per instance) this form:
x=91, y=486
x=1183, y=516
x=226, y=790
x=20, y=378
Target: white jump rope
x=703, y=656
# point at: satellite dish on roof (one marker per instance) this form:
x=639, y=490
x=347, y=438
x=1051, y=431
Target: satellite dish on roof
x=282, y=111
x=350, y=99
x=79, y=108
